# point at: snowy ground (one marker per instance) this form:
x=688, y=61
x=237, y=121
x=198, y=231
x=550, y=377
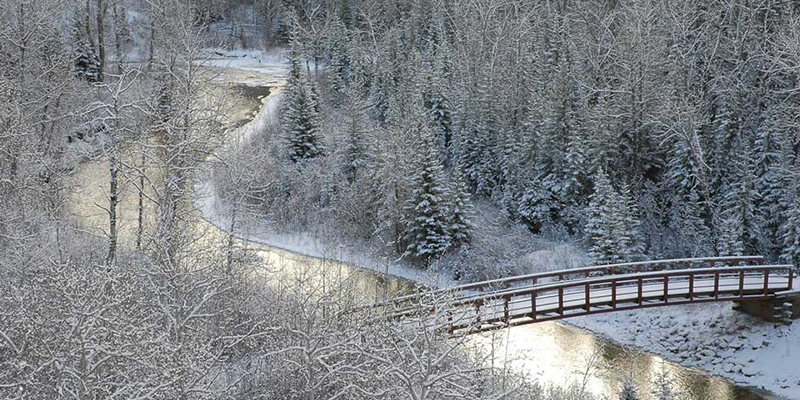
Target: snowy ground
x=712, y=337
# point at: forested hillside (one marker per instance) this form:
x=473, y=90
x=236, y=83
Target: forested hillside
x=641, y=128
x=444, y=133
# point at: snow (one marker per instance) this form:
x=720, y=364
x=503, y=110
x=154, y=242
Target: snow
x=710, y=336
x=713, y=337
x=272, y=68
x=269, y=64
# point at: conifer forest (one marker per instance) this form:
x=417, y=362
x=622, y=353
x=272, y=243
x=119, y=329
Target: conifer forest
x=199, y=199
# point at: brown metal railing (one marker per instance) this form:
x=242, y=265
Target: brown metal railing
x=590, y=295
x=560, y=275
x=560, y=300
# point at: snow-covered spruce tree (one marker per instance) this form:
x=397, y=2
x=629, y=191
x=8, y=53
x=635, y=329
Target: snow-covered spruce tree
x=301, y=115
x=630, y=238
x=356, y=157
x=338, y=59
x=428, y=218
x=770, y=185
x=739, y=224
x=629, y=391
x=790, y=234
x=461, y=209
x=612, y=226
x=86, y=63
x=435, y=96
x=693, y=237
x=692, y=233
x=662, y=386
x=535, y=205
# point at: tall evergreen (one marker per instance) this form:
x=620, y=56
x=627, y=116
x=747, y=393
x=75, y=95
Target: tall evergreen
x=461, y=209
x=629, y=391
x=428, y=220
x=612, y=226
x=790, y=234
x=86, y=63
x=301, y=115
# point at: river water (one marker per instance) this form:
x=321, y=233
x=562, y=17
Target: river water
x=551, y=352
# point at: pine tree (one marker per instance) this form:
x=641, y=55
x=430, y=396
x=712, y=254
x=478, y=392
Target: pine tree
x=770, y=186
x=629, y=238
x=629, y=391
x=692, y=230
x=790, y=233
x=534, y=207
x=86, y=63
x=338, y=59
x=428, y=222
x=613, y=225
x=435, y=97
x=301, y=115
x=460, y=225
x=663, y=386
x=356, y=157
x=740, y=227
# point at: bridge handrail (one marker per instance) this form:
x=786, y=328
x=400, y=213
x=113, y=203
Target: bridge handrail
x=624, y=278
x=633, y=277
x=575, y=271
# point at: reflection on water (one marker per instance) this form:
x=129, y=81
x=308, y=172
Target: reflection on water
x=551, y=352
x=561, y=354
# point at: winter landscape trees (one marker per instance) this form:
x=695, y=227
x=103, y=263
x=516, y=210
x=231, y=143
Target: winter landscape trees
x=680, y=113
x=441, y=133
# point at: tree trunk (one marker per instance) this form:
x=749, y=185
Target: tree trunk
x=102, y=7
x=117, y=38
x=140, y=216
x=112, y=208
x=231, y=236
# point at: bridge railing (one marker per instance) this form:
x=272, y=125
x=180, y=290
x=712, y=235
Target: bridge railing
x=581, y=273
x=554, y=300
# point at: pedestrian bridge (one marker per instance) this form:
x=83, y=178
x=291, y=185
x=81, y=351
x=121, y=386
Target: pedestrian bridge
x=563, y=294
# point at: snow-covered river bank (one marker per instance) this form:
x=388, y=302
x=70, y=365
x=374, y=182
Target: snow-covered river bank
x=551, y=352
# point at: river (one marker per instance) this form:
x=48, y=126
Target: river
x=552, y=352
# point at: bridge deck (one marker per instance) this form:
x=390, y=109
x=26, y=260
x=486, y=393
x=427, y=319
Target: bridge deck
x=548, y=307
x=462, y=308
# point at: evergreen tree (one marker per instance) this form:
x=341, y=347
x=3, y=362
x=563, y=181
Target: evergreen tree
x=460, y=226
x=435, y=97
x=663, y=386
x=86, y=63
x=301, y=115
x=356, y=157
x=771, y=188
x=629, y=391
x=429, y=221
x=740, y=227
x=534, y=207
x=694, y=236
x=790, y=233
x=338, y=59
x=612, y=226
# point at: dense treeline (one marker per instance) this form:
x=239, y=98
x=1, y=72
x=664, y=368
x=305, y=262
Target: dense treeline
x=644, y=127
x=111, y=286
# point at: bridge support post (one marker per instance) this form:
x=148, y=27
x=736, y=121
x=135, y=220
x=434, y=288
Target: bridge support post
x=614, y=294
x=506, y=315
x=640, y=300
x=587, y=305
